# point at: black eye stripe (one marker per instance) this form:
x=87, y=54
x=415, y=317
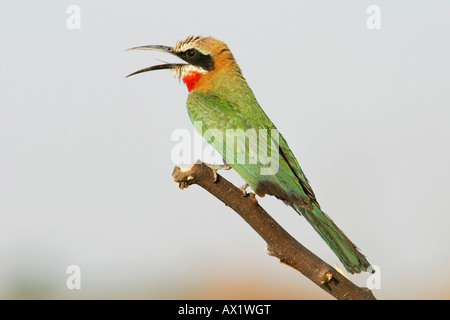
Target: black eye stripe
x=198, y=59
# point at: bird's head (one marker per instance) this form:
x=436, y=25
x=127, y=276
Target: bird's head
x=203, y=56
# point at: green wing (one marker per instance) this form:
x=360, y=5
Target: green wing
x=212, y=116
x=288, y=183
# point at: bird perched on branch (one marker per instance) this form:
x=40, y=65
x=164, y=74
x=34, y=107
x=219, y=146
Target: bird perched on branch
x=222, y=102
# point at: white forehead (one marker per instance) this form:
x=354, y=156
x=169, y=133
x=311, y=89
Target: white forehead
x=188, y=43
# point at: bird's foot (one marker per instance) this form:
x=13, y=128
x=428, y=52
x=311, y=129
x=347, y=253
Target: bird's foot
x=244, y=189
x=252, y=196
x=215, y=167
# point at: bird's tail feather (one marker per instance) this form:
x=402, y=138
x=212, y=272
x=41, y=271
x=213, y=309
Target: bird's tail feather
x=353, y=260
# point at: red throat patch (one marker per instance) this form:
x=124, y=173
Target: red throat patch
x=191, y=78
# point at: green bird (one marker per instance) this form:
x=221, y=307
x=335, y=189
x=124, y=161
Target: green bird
x=226, y=113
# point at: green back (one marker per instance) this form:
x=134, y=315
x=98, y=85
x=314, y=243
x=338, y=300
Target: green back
x=217, y=115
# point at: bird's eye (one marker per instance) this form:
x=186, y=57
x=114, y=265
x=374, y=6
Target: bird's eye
x=192, y=54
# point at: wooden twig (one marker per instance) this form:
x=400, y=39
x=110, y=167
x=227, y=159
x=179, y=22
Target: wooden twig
x=280, y=244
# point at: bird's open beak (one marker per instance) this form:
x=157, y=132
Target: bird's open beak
x=160, y=66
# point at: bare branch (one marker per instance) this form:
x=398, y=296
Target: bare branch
x=280, y=244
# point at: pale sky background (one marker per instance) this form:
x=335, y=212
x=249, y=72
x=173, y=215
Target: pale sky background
x=85, y=166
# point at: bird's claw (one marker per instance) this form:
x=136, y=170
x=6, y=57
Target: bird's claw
x=244, y=189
